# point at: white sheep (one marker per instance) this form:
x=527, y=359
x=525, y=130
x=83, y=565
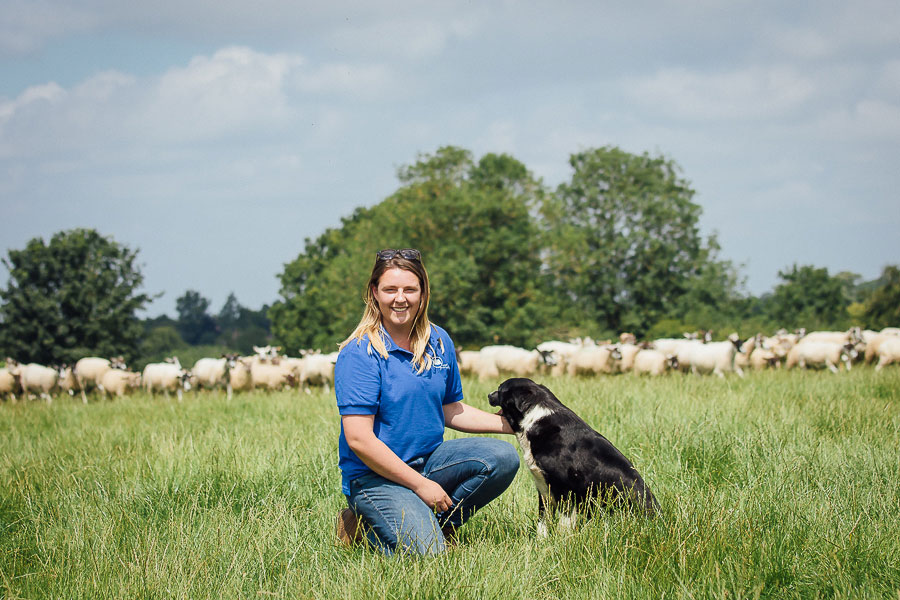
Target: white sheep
x=239, y=376
x=891, y=330
x=888, y=352
x=594, y=360
x=648, y=361
x=678, y=347
x=715, y=357
x=852, y=335
x=471, y=362
x=167, y=377
x=874, y=343
x=558, y=354
x=514, y=360
x=317, y=369
x=761, y=358
x=66, y=380
x=118, y=382
x=89, y=372
x=9, y=383
x=37, y=379
x=807, y=354
x=271, y=376
x=213, y=373
x=629, y=351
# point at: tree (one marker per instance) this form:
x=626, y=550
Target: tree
x=809, y=297
x=883, y=306
x=624, y=243
x=73, y=297
x=241, y=328
x=475, y=225
x=195, y=324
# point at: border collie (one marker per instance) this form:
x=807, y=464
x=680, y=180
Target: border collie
x=573, y=466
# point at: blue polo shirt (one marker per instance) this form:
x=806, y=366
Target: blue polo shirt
x=408, y=406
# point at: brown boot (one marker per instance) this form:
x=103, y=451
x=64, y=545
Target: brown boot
x=349, y=528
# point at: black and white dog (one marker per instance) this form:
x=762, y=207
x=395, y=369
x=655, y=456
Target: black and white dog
x=573, y=466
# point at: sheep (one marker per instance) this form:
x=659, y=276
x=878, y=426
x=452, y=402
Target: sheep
x=239, y=376
x=213, y=373
x=317, y=369
x=888, y=352
x=37, y=378
x=89, y=372
x=742, y=358
x=66, y=379
x=821, y=354
x=471, y=362
x=627, y=338
x=852, y=335
x=117, y=382
x=715, y=357
x=629, y=351
x=9, y=383
x=891, y=330
x=166, y=376
x=595, y=360
x=271, y=376
x=648, y=361
x=558, y=353
x=514, y=360
x=874, y=343
x=762, y=357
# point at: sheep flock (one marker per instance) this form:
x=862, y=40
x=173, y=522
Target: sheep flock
x=266, y=369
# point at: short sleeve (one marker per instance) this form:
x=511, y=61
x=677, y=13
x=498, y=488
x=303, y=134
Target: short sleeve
x=357, y=380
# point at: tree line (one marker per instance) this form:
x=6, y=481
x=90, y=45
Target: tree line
x=615, y=248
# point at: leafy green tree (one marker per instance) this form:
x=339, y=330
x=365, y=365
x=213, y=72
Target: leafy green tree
x=883, y=306
x=624, y=244
x=73, y=297
x=161, y=340
x=809, y=297
x=195, y=324
x=242, y=328
x=475, y=225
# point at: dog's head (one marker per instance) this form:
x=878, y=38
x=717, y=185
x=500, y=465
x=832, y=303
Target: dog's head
x=516, y=396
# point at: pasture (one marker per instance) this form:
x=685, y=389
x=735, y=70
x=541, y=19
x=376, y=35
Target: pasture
x=779, y=485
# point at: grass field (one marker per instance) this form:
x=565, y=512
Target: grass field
x=780, y=485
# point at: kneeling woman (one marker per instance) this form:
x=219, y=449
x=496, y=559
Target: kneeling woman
x=398, y=386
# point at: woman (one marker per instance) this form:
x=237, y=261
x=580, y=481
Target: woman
x=398, y=386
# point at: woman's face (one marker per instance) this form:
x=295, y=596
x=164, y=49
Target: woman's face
x=398, y=295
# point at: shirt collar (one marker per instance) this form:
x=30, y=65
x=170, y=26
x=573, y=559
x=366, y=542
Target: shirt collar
x=389, y=344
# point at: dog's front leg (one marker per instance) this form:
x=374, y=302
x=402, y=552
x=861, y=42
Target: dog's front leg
x=542, y=530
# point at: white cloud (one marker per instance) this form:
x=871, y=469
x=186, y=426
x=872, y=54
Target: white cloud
x=234, y=91
x=750, y=93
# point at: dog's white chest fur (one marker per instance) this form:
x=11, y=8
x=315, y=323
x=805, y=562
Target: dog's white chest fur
x=532, y=417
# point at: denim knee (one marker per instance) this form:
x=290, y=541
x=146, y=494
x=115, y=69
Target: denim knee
x=504, y=461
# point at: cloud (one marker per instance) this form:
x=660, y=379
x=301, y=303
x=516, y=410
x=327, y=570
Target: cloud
x=235, y=91
x=751, y=93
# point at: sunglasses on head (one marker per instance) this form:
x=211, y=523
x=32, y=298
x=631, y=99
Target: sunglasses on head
x=407, y=253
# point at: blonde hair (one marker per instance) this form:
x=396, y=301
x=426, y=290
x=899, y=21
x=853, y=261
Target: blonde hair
x=371, y=322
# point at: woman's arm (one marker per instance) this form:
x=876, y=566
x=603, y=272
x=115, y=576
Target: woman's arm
x=360, y=436
x=462, y=417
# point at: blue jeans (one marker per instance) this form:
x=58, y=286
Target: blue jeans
x=473, y=471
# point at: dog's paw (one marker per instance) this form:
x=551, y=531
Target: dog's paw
x=542, y=531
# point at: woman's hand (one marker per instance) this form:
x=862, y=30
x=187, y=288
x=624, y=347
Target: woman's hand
x=433, y=495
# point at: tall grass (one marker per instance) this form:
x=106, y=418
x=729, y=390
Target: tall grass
x=780, y=485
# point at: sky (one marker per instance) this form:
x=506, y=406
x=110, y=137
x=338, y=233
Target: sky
x=215, y=137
